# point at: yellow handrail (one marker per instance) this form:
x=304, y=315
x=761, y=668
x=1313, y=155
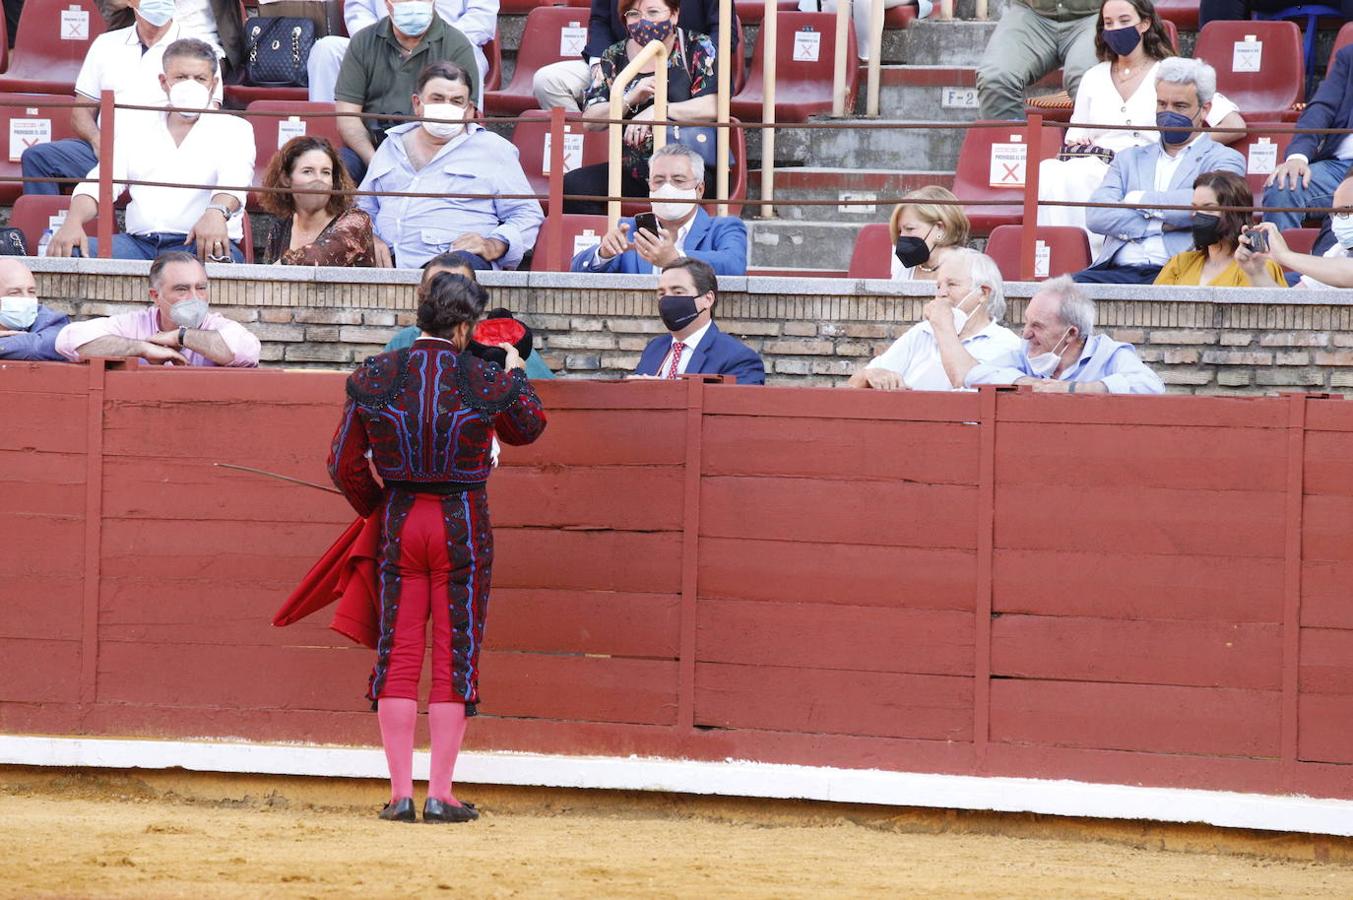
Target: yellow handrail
x=617, y=131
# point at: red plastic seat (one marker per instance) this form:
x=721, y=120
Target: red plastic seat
x=972, y=181
x=241, y=96
x=1245, y=147
x=573, y=227
x=1269, y=94
x=4, y=45
x=297, y=114
x=1068, y=249
x=493, y=55
x=751, y=12
x=1341, y=40
x=29, y=106
x=802, y=88
x=33, y=213
x=523, y=7
x=1183, y=14
x=1302, y=240
x=540, y=47
x=873, y=253
x=47, y=53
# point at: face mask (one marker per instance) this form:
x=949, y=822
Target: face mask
x=18, y=313
x=1343, y=231
x=1174, y=120
x=1044, y=364
x=672, y=212
x=1122, y=41
x=1205, y=228
x=911, y=251
x=443, y=130
x=960, y=315
x=677, y=312
x=188, y=313
x=643, y=31
x=156, y=12
x=412, y=17
x=189, y=97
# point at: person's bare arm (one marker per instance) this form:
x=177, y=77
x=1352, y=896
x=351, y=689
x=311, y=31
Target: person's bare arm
x=352, y=128
x=207, y=343
x=955, y=358
x=114, y=345
x=71, y=235
x=1236, y=129
x=697, y=109
x=86, y=129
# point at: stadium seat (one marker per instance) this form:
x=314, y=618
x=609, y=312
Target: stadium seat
x=1068, y=249
x=36, y=109
x=972, y=181
x=1312, y=14
x=578, y=233
x=751, y=12
x=33, y=214
x=1341, y=40
x=540, y=46
x=1256, y=168
x=1302, y=240
x=493, y=55
x=53, y=38
x=1183, y=14
x=873, y=253
x=803, y=87
x=522, y=7
x=270, y=134
x=1267, y=95
x=4, y=45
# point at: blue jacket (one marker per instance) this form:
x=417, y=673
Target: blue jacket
x=721, y=242
x=716, y=354
x=1135, y=170
x=1331, y=107
x=39, y=341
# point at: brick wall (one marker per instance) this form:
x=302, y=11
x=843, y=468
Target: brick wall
x=809, y=331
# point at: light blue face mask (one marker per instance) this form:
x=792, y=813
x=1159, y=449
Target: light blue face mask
x=156, y=12
x=412, y=17
x=18, y=313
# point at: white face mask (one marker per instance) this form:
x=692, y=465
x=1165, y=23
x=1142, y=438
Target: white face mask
x=1343, y=231
x=189, y=313
x=18, y=313
x=190, y=97
x=672, y=212
x=960, y=316
x=444, y=130
x=1044, y=364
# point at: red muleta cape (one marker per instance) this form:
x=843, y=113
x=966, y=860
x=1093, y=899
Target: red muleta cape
x=346, y=573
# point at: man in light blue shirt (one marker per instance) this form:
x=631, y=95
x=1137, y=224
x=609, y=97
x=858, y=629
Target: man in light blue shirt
x=449, y=157
x=1062, y=354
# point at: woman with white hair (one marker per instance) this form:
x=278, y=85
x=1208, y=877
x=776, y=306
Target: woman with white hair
x=961, y=328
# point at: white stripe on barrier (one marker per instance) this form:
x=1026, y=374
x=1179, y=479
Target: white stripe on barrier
x=728, y=778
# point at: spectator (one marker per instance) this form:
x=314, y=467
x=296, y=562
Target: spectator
x=564, y=83
x=127, y=62
x=1316, y=163
x=1120, y=90
x=28, y=329
x=688, y=289
x=925, y=234
x=314, y=229
x=1139, y=238
x=1062, y=353
x=1216, y=235
x=380, y=74
x=173, y=148
x=1214, y=10
x=218, y=22
x=691, y=87
x=675, y=173
x=860, y=12
x=1331, y=269
x=178, y=328
x=1033, y=38
x=476, y=19
x=961, y=328
x=446, y=157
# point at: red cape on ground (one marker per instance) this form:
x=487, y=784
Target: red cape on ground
x=346, y=573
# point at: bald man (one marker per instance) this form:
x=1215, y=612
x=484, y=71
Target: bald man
x=28, y=329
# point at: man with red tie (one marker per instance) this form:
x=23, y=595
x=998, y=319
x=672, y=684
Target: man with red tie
x=687, y=292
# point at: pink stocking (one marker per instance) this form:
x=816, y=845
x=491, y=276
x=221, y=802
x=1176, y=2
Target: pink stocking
x=447, y=721
x=397, y=716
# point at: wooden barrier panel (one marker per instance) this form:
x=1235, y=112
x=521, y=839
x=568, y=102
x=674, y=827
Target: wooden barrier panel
x=1130, y=590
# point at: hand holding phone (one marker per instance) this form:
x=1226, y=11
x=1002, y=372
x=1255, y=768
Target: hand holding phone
x=1258, y=240
x=648, y=222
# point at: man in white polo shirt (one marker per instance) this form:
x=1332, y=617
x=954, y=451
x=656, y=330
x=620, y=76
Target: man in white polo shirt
x=127, y=62
x=173, y=148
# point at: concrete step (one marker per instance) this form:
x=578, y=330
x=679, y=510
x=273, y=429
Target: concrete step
x=880, y=147
x=781, y=244
x=821, y=184
x=932, y=93
x=954, y=43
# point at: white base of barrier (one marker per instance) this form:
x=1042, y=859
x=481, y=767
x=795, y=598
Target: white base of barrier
x=729, y=778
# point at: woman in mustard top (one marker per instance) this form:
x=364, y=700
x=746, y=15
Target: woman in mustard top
x=1216, y=236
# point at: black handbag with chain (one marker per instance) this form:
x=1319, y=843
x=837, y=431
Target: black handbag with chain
x=277, y=48
x=12, y=242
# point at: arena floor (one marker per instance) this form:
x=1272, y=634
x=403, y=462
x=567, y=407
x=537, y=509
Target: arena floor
x=174, y=835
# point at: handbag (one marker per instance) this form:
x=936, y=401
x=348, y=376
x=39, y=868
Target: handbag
x=12, y=242
x=1070, y=151
x=703, y=139
x=277, y=48
x=327, y=15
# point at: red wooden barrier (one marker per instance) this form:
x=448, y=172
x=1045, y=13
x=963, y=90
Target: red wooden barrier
x=1130, y=590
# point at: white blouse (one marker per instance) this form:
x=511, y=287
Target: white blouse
x=1099, y=103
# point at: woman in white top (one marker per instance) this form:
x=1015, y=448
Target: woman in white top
x=925, y=232
x=1130, y=41
x=961, y=329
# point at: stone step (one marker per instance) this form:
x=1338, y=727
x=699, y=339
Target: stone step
x=954, y=43
x=789, y=244
x=838, y=184
x=880, y=147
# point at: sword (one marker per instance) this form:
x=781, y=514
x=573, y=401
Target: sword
x=267, y=474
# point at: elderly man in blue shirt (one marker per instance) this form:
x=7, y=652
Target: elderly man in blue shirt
x=28, y=329
x=1062, y=354
x=449, y=157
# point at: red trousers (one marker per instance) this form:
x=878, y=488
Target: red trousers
x=424, y=573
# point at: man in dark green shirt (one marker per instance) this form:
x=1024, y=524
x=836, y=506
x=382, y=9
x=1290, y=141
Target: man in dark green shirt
x=1033, y=38
x=381, y=68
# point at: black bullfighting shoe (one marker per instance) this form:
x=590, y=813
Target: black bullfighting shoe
x=435, y=810
x=399, y=811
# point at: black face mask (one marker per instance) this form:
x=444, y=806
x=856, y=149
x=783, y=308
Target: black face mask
x=1205, y=230
x=911, y=251
x=677, y=312
x=1122, y=41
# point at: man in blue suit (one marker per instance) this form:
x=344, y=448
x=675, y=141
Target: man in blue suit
x=1316, y=163
x=676, y=177
x=687, y=292
x=1139, y=238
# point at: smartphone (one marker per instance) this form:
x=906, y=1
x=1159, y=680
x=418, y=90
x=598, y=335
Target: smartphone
x=649, y=222
x=1258, y=240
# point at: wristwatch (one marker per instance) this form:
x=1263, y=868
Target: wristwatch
x=221, y=208
x=183, y=334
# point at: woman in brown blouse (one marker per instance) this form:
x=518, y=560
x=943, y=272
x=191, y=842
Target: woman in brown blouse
x=315, y=229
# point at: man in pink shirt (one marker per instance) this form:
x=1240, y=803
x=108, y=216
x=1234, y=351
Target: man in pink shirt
x=176, y=330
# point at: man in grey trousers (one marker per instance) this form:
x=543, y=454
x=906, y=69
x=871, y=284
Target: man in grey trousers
x=1033, y=38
